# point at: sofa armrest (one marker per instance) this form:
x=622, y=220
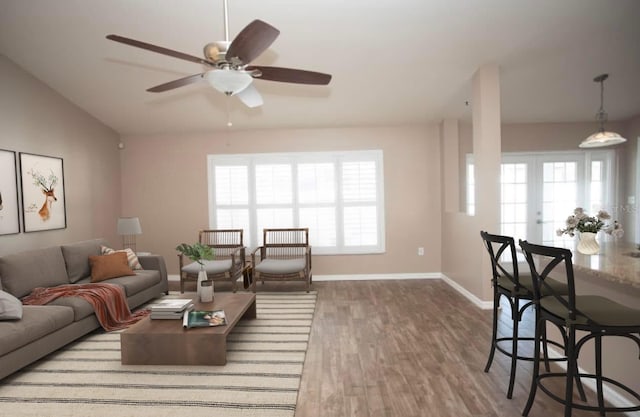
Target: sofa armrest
x=154, y=262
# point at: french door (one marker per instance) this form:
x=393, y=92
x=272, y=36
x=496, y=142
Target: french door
x=540, y=190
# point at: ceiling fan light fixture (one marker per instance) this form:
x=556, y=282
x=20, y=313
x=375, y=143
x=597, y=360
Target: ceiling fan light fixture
x=229, y=82
x=602, y=137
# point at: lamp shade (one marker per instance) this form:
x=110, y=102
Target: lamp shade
x=602, y=138
x=129, y=226
x=227, y=81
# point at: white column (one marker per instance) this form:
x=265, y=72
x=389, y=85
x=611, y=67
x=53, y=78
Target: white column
x=486, y=157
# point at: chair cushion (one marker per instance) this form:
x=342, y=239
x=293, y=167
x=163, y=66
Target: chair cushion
x=281, y=266
x=526, y=281
x=600, y=310
x=212, y=267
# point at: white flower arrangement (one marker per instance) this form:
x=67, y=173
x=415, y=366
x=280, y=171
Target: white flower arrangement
x=581, y=222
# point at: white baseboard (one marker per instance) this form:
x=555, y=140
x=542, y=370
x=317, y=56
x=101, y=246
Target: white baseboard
x=484, y=305
x=376, y=277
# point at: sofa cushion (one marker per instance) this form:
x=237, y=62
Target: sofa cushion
x=132, y=258
x=76, y=257
x=36, y=322
x=22, y=272
x=10, y=307
x=81, y=307
x=109, y=266
x=142, y=280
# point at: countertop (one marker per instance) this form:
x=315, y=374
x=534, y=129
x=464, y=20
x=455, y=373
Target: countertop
x=613, y=263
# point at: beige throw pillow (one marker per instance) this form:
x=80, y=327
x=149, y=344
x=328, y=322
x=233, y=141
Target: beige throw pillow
x=109, y=266
x=132, y=258
x=10, y=307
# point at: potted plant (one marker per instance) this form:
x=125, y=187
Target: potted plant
x=587, y=227
x=197, y=253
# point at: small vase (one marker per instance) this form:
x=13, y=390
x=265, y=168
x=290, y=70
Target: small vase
x=202, y=276
x=588, y=244
x=206, y=295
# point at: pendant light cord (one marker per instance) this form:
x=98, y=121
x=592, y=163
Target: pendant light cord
x=601, y=116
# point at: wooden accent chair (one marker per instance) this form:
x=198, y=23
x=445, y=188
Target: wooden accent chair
x=228, y=258
x=285, y=255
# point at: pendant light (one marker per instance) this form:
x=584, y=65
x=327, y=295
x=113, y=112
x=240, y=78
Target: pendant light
x=602, y=137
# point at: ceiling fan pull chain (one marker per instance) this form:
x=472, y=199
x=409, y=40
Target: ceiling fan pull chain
x=229, y=124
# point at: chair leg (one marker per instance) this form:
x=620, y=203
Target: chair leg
x=181, y=284
x=545, y=349
x=515, y=316
x=598, y=343
x=496, y=301
x=536, y=366
x=572, y=370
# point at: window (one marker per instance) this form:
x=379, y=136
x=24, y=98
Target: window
x=540, y=190
x=339, y=196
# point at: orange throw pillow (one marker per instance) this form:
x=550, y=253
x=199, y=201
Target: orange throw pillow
x=109, y=266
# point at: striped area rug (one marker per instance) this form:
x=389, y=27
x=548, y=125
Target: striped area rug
x=261, y=379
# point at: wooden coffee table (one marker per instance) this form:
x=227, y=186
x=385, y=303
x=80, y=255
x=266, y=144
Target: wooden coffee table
x=166, y=342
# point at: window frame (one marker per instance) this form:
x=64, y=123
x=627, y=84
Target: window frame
x=294, y=159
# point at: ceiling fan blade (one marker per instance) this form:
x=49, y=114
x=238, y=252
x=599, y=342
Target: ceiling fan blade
x=290, y=75
x=253, y=40
x=176, y=83
x=160, y=50
x=250, y=97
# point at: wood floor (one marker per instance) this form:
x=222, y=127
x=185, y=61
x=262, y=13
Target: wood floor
x=407, y=348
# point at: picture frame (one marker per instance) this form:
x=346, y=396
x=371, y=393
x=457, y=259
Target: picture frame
x=43, y=194
x=9, y=208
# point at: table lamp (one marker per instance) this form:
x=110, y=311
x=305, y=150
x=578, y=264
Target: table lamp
x=129, y=227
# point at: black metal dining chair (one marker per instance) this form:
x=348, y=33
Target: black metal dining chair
x=596, y=315
x=517, y=288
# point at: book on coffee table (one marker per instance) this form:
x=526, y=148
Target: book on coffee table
x=171, y=305
x=201, y=318
x=170, y=315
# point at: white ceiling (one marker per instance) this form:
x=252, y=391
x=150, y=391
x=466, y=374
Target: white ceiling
x=393, y=61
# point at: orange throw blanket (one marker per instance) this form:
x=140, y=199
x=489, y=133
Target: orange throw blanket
x=108, y=301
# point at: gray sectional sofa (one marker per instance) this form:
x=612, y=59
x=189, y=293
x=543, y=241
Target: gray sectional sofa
x=43, y=329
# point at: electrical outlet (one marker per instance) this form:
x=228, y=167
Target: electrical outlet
x=420, y=251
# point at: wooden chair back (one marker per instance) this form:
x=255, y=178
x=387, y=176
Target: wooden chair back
x=223, y=241
x=285, y=243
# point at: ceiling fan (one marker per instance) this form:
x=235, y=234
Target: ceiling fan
x=227, y=66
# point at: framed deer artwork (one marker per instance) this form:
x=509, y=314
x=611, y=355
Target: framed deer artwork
x=9, y=211
x=43, y=199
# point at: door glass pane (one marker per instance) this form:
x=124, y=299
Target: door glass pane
x=513, y=185
x=560, y=198
x=596, y=188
